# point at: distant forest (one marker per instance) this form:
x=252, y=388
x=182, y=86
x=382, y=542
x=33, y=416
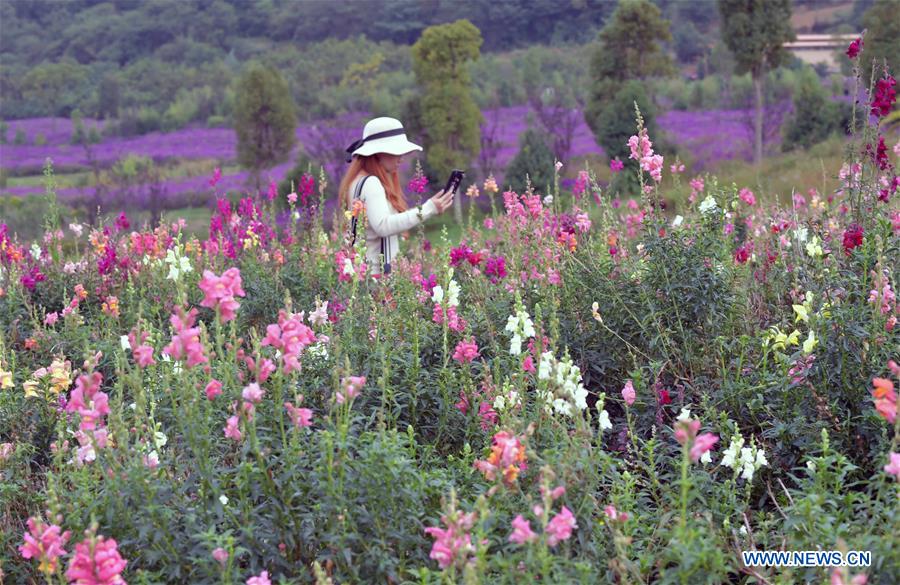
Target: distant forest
x=163, y=63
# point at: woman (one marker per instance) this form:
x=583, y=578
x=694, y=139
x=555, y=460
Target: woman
x=375, y=160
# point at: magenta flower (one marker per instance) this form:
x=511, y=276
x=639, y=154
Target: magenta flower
x=628, y=393
x=885, y=96
x=560, y=527
x=893, y=468
x=615, y=165
x=522, y=532
x=44, y=543
x=855, y=47
x=747, y=196
x=702, y=444
x=217, y=176
x=96, y=562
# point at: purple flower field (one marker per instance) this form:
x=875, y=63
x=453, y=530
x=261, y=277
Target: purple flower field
x=711, y=136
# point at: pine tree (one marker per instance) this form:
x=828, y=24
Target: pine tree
x=264, y=119
x=450, y=118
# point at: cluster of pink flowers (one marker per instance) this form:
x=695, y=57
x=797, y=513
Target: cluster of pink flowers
x=143, y=353
x=615, y=165
x=507, y=458
x=747, y=196
x=213, y=389
x=452, y=545
x=454, y=321
x=486, y=412
x=558, y=529
x=351, y=386
x=582, y=182
x=464, y=252
x=300, y=417
x=96, y=561
x=893, y=467
x=92, y=405
x=307, y=186
x=642, y=151
x=883, y=296
x=45, y=543
x=686, y=434
x=290, y=336
x=186, y=338
x=697, y=187
x=466, y=351
x=614, y=515
x=219, y=292
x=495, y=269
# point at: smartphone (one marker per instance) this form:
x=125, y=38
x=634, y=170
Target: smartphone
x=454, y=181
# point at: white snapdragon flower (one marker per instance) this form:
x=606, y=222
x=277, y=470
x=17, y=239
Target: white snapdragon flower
x=545, y=366
x=36, y=251
x=729, y=457
x=123, y=341
x=605, y=423
x=437, y=294
x=677, y=221
x=708, y=205
x=453, y=294
x=348, y=267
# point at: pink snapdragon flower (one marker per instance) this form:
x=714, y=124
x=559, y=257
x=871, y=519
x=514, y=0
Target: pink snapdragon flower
x=261, y=579
x=143, y=355
x=219, y=292
x=560, y=527
x=96, y=562
x=88, y=401
x=351, y=387
x=522, y=532
x=213, y=389
x=231, y=428
x=614, y=515
x=290, y=336
x=747, y=196
x=702, y=444
x=300, y=417
x=466, y=351
x=186, y=338
x=628, y=393
x=45, y=543
x=642, y=151
x=454, y=543
x=220, y=555
x=253, y=393
x=893, y=467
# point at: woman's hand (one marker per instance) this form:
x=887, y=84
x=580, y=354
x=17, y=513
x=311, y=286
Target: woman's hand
x=442, y=201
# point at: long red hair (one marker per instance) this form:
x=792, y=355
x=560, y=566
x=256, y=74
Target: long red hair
x=371, y=165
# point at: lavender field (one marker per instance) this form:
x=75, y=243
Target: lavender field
x=709, y=136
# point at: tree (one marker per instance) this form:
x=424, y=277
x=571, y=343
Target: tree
x=263, y=119
x=629, y=49
x=882, y=42
x=815, y=117
x=447, y=112
x=534, y=159
x=754, y=31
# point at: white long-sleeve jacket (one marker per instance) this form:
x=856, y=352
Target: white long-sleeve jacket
x=386, y=222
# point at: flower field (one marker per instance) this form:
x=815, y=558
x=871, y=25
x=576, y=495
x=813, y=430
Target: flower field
x=577, y=391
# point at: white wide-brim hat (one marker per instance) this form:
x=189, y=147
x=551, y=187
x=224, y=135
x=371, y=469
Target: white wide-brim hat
x=382, y=135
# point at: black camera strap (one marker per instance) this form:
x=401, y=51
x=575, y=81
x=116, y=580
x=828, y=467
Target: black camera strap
x=385, y=246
